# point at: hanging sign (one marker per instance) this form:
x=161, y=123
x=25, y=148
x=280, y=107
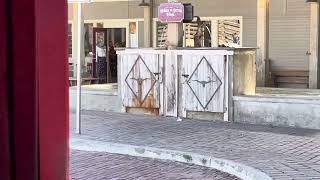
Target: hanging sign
x=171, y=12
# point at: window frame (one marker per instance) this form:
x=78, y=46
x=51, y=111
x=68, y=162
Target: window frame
x=214, y=25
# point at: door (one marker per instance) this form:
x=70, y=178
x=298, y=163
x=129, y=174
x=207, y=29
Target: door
x=203, y=83
x=99, y=36
x=140, y=78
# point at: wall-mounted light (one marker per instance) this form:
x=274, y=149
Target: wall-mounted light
x=144, y=3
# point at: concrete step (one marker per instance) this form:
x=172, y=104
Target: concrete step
x=278, y=110
x=97, y=98
x=287, y=92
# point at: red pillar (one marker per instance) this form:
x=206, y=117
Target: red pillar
x=34, y=112
x=5, y=166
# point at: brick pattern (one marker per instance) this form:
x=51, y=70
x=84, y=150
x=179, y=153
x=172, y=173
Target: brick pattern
x=282, y=153
x=104, y=166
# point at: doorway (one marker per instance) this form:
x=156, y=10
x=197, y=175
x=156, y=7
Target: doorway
x=106, y=41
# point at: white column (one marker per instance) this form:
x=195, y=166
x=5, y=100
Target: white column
x=314, y=47
x=147, y=26
x=262, y=41
x=174, y=33
x=215, y=33
x=79, y=52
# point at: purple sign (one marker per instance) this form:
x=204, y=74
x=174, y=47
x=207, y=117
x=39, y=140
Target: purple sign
x=171, y=12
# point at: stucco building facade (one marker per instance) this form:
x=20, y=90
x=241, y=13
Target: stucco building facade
x=285, y=31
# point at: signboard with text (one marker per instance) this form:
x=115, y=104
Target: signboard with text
x=171, y=12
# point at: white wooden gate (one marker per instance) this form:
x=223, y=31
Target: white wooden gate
x=141, y=77
x=174, y=82
x=204, y=81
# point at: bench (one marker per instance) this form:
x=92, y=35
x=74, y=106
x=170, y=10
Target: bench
x=291, y=79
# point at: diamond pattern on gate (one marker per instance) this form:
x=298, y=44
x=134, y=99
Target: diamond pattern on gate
x=139, y=80
x=210, y=82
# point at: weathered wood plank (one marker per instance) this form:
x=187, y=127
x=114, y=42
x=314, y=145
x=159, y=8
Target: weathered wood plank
x=171, y=84
x=203, y=83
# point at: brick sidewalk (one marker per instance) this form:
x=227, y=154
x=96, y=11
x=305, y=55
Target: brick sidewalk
x=282, y=153
x=104, y=166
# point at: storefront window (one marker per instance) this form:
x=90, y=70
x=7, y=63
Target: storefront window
x=161, y=34
x=70, y=40
x=88, y=38
x=198, y=34
x=120, y=37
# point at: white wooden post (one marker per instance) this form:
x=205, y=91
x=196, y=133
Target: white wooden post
x=215, y=32
x=262, y=41
x=314, y=46
x=174, y=32
x=80, y=59
x=147, y=26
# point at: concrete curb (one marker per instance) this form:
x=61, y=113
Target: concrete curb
x=237, y=169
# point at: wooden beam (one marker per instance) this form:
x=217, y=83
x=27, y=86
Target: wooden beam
x=262, y=42
x=314, y=47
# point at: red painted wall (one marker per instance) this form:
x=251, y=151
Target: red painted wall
x=34, y=106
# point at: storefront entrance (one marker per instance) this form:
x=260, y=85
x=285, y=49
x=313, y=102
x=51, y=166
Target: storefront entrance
x=105, y=42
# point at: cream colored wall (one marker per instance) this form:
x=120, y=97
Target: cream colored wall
x=113, y=10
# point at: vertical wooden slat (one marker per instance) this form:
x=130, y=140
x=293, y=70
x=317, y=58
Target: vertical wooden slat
x=314, y=81
x=189, y=65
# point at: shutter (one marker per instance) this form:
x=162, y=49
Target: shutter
x=289, y=35
x=229, y=31
x=190, y=31
x=161, y=34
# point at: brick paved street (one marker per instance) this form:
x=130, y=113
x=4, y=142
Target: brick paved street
x=282, y=153
x=98, y=166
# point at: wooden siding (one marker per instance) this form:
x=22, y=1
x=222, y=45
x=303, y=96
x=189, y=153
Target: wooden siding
x=203, y=90
x=140, y=80
x=289, y=34
x=174, y=81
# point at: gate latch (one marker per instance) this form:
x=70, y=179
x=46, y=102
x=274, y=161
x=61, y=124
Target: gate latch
x=157, y=73
x=185, y=75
